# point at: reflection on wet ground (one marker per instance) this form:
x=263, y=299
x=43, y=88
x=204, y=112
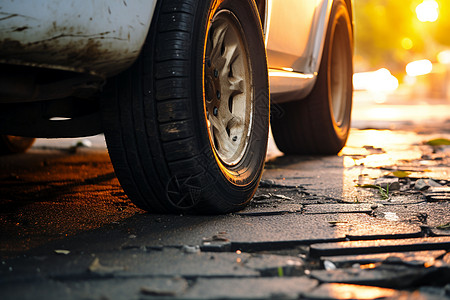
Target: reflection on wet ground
x=399, y=177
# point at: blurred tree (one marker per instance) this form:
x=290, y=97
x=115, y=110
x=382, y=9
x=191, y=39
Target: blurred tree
x=388, y=33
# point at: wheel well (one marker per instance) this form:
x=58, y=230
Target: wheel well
x=350, y=10
x=261, y=4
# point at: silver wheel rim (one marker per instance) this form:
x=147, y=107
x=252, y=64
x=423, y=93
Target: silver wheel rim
x=339, y=75
x=227, y=88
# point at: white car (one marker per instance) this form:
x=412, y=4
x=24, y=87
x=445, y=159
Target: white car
x=180, y=88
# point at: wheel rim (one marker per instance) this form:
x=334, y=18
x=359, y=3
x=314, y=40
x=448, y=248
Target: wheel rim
x=227, y=85
x=339, y=71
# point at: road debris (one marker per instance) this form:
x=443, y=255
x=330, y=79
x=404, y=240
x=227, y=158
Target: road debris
x=424, y=184
x=308, y=233
x=100, y=269
x=191, y=249
x=165, y=287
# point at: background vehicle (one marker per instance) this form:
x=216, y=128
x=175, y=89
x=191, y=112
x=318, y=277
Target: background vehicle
x=182, y=96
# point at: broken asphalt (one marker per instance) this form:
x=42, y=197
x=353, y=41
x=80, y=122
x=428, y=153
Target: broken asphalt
x=372, y=222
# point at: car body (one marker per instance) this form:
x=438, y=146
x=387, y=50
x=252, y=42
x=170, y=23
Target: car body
x=103, y=38
x=137, y=69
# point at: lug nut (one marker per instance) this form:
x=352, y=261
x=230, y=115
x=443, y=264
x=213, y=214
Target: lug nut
x=215, y=111
x=218, y=95
x=216, y=73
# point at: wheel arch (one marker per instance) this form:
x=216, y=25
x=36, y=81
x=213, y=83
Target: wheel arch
x=262, y=9
x=350, y=6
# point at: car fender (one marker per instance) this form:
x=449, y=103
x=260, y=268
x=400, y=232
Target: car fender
x=293, y=75
x=96, y=37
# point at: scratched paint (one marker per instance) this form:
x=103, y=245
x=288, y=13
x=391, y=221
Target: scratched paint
x=100, y=37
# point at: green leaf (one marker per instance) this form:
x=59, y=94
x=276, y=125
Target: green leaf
x=438, y=142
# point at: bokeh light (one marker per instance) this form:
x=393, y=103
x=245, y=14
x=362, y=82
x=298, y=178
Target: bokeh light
x=377, y=81
x=444, y=57
x=407, y=43
x=428, y=11
x=419, y=67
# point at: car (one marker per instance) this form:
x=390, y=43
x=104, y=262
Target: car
x=180, y=88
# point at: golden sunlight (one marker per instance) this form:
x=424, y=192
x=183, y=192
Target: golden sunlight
x=380, y=81
x=407, y=43
x=350, y=291
x=428, y=11
x=444, y=57
x=419, y=67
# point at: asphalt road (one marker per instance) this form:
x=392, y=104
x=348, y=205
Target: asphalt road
x=69, y=231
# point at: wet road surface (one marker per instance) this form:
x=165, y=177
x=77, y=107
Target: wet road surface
x=318, y=227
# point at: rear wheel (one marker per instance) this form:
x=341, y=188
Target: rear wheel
x=187, y=125
x=14, y=144
x=320, y=123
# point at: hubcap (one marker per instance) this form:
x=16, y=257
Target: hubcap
x=228, y=91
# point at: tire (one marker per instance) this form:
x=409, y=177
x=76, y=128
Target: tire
x=320, y=123
x=14, y=144
x=187, y=125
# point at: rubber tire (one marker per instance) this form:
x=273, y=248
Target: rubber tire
x=14, y=144
x=307, y=126
x=155, y=121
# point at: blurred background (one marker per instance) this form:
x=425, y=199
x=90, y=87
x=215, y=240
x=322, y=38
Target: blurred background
x=402, y=60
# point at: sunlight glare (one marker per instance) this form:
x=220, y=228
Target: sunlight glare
x=419, y=67
x=377, y=81
x=427, y=11
x=350, y=291
x=444, y=57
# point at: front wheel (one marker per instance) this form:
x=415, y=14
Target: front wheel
x=320, y=123
x=187, y=125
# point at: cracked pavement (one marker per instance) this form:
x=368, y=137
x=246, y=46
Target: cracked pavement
x=317, y=228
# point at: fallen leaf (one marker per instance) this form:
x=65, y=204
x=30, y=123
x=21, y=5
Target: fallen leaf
x=438, y=142
x=401, y=174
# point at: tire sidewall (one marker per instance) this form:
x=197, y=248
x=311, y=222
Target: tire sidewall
x=339, y=17
x=244, y=176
